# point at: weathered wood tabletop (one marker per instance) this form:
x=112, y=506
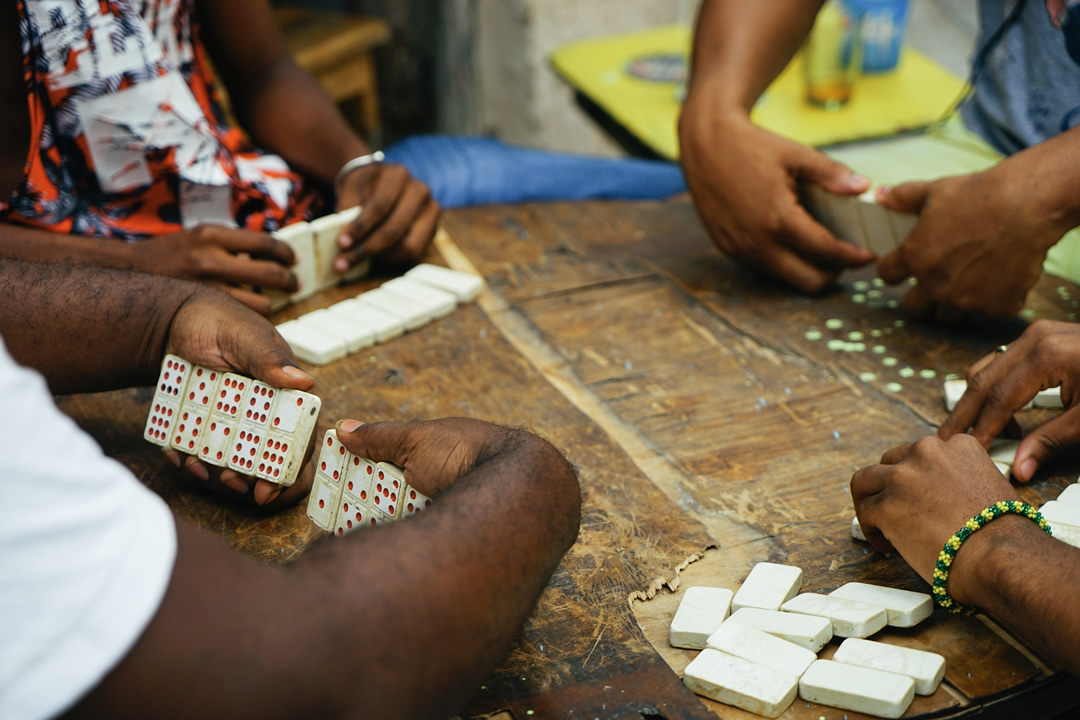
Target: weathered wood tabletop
x=714, y=426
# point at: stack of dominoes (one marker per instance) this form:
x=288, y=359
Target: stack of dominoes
x=231, y=421
x=858, y=219
x=315, y=246
x=351, y=492
x=765, y=653
x=954, y=388
x=425, y=293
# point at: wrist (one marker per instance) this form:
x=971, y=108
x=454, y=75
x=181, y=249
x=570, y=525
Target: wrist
x=355, y=164
x=981, y=568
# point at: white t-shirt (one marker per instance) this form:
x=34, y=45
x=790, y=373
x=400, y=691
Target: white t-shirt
x=86, y=553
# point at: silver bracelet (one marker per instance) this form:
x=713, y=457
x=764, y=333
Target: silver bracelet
x=355, y=164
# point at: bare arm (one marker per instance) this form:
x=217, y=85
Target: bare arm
x=744, y=180
x=400, y=621
x=285, y=110
x=922, y=493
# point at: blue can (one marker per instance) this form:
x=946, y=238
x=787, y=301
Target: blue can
x=882, y=26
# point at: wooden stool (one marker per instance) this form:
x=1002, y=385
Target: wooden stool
x=337, y=50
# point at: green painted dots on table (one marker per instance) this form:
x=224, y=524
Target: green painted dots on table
x=874, y=294
x=875, y=333
x=867, y=377
x=857, y=347
x=1027, y=312
x=898, y=323
x=834, y=323
x=927, y=374
x=858, y=298
x=854, y=336
x=878, y=282
x=835, y=344
x=907, y=372
x=863, y=286
x=894, y=387
x=889, y=362
x=878, y=349
x=813, y=334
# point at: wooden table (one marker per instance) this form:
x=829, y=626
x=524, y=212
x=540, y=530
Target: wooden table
x=711, y=433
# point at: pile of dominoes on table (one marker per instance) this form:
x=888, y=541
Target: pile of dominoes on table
x=765, y=652
x=232, y=421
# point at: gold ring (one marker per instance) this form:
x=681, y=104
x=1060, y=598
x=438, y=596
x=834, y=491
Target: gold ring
x=1000, y=349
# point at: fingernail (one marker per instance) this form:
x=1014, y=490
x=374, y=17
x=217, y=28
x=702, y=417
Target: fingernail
x=341, y=265
x=883, y=191
x=197, y=469
x=344, y=240
x=348, y=426
x=172, y=456
x=295, y=372
x=1028, y=468
x=856, y=179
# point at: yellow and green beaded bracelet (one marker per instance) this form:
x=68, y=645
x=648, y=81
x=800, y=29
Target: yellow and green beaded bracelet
x=952, y=545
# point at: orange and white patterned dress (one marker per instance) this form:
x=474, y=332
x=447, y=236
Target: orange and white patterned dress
x=129, y=140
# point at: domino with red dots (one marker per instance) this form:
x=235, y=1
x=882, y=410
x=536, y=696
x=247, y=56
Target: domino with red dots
x=351, y=492
x=233, y=421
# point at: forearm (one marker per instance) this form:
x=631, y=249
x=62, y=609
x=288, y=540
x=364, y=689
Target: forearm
x=87, y=328
x=20, y=242
x=1030, y=582
x=398, y=621
x=1046, y=179
x=276, y=102
x=740, y=47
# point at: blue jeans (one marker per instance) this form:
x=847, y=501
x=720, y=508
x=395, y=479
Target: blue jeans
x=475, y=171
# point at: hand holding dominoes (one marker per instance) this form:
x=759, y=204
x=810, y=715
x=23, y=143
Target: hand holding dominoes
x=398, y=220
x=353, y=489
x=247, y=427
x=859, y=219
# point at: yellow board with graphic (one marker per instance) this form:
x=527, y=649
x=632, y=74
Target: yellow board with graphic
x=914, y=95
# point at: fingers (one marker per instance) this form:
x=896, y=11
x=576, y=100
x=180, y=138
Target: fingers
x=271, y=360
x=398, y=221
x=256, y=301
x=383, y=441
x=252, y=243
x=244, y=270
x=831, y=175
x=380, y=198
x=813, y=242
x=1052, y=436
x=917, y=303
x=892, y=268
x=908, y=197
x=419, y=237
x=867, y=486
x=897, y=454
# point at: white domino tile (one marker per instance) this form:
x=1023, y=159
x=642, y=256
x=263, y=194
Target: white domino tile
x=1004, y=451
x=856, y=529
x=353, y=516
x=761, y=648
x=849, y=618
x=438, y=302
x=312, y=345
x=953, y=390
x=294, y=411
x=806, y=631
x=244, y=450
x=202, y=388
x=255, y=408
x=700, y=613
x=172, y=381
x=1059, y=513
x=903, y=608
x=385, y=326
x=327, y=230
x=1070, y=495
x=413, y=502
x=359, y=477
x=740, y=683
x=159, y=424
x=463, y=285
x=277, y=459
x=216, y=440
x=849, y=687
x=323, y=501
x=846, y=222
x=230, y=396
x=386, y=489
x=332, y=457
x=412, y=314
x=768, y=586
x=301, y=238
x=902, y=224
x=1050, y=398
x=191, y=422
x=355, y=335
x=925, y=668
x=877, y=231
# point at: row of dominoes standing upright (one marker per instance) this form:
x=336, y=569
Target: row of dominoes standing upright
x=764, y=653
x=315, y=245
x=424, y=293
x=351, y=492
x=230, y=420
x=858, y=219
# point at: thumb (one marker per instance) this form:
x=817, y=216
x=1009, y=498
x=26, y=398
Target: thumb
x=1045, y=440
x=274, y=364
x=379, y=442
x=906, y=198
x=831, y=175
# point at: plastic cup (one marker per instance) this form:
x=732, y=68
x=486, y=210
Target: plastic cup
x=832, y=57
